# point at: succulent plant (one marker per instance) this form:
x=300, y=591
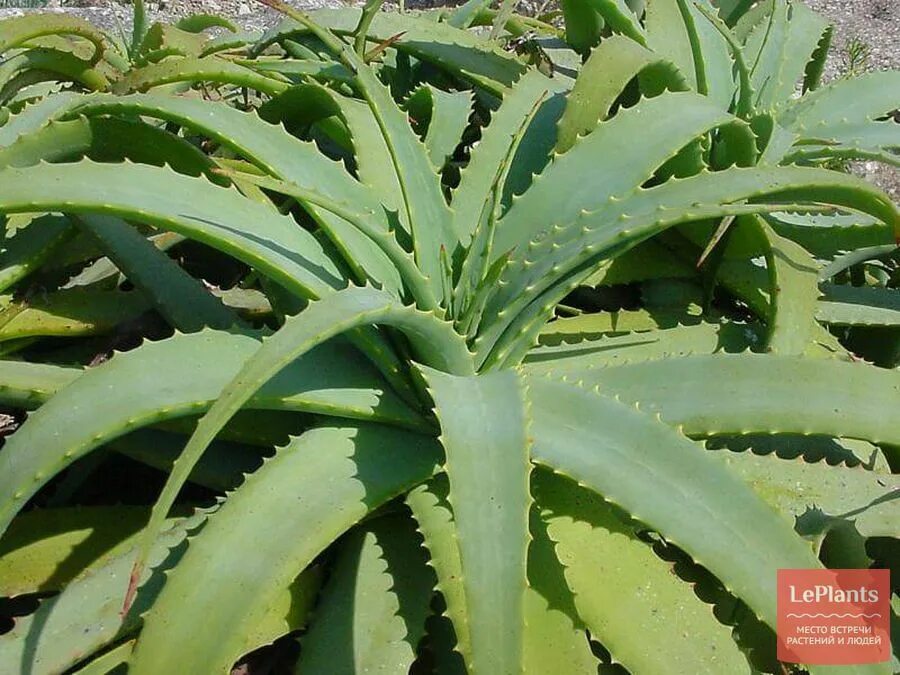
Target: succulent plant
x=565, y=347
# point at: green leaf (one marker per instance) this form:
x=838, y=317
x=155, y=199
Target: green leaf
x=732, y=10
x=432, y=512
x=583, y=24
x=828, y=235
x=858, y=99
x=741, y=540
x=536, y=222
x=859, y=306
x=105, y=140
x=28, y=385
x=86, y=615
x=138, y=28
x=102, y=269
x=484, y=431
x=20, y=30
x=198, y=69
x=432, y=340
x=849, y=259
x=313, y=103
x=271, y=148
x=194, y=207
x=268, y=146
x=197, y=23
x=603, y=78
x=60, y=432
x=474, y=197
x=301, y=71
x=69, y=313
x=28, y=242
x=34, y=116
x=496, y=153
x=627, y=220
x=444, y=116
x=374, y=607
x=366, y=223
x=619, y=17
x=793, y=293
x=466, y=14
x=632, y=347
x=457, y=51
x=815, y=496
x=878, y=140
x=719, y=394
x=44, y=549
x=59, y=64
x=423, y=202
x=678, y=31
x=180, y=298
x=370, y=9
x=275, y=524
x=534, y=212
x=594, y=325
x=622, y=589
x=792, y=38
x=163, y=41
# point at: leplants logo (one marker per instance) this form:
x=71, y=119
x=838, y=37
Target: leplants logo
x=833, y=617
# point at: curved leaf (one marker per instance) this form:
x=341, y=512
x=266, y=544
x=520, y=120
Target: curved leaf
x=814, y=497
x=198, y=69
x=457, y=51
x=19, y=30
x=636, y=215
x=374, y=607
x=603, y=78
x=86, y=615
x=433, y=340
x=194, y=207
x=859, y=306
x=284, y=515
x=180, y=298
x=746, y=393
x=689, y=488
x=60, y=432
x=857, y=99
x=622, y=589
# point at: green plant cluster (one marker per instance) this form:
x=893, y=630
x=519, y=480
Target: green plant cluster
x=439, y=342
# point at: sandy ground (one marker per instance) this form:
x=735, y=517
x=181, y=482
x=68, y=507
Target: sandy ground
x=874, y=24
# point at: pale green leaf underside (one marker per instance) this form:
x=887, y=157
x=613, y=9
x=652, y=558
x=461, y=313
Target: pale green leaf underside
x=623, y=589
x=484, y=433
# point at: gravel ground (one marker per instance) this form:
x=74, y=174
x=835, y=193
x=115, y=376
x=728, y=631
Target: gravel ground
x=873, y=26
x=868, y=27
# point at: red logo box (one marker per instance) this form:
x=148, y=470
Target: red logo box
x=834, y=617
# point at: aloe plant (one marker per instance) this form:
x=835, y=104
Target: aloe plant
x=558, y=370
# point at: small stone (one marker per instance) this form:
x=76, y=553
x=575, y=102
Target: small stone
x=243, y=9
